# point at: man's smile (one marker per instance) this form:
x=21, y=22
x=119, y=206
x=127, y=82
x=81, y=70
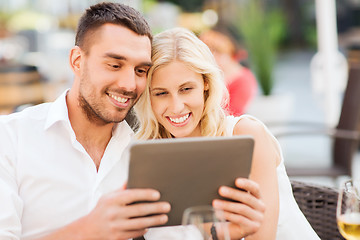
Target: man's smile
x=118, y=99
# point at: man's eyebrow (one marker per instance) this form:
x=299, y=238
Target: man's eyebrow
x=113, y=55
x=146, y=64
x=120, y=57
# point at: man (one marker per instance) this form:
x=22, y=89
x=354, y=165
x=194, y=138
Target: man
x=50, y=173
x=63, y=165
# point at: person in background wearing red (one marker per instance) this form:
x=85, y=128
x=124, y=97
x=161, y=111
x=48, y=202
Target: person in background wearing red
x=240, y=81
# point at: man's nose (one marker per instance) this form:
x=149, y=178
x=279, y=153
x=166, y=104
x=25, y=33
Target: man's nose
x=127, y=80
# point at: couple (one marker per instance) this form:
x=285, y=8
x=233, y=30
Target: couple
x=63, y=165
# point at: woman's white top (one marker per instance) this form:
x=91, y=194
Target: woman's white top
x=292, y=224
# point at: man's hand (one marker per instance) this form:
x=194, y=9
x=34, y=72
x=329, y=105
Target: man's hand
x=114, y=217
x=117, y=216
x=246, y=214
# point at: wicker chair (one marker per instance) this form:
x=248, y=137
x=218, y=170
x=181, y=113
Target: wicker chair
x=318, y=203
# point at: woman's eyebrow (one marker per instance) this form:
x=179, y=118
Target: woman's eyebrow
x=157, y=89
x=186, y=83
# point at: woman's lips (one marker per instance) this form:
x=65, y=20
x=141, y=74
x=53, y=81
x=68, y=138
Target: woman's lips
x=179, y=121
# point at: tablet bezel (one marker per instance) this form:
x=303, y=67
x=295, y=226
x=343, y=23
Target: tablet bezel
x=189, y=171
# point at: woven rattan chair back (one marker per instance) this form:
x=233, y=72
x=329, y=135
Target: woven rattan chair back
x=318, y=203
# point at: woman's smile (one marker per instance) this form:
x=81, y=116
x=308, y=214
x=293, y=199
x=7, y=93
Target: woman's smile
x=179, y=121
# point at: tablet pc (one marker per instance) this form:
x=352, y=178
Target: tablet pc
x=189, y=171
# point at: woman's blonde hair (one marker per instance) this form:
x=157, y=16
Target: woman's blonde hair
x=179, y=44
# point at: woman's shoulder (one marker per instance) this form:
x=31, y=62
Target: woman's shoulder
x=247, y=124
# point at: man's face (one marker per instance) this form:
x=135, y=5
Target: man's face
x=113, y=73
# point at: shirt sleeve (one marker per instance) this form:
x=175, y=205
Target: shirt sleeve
x=11, y=205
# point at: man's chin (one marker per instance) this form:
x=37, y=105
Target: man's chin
x=118, y=117
x=104, y=119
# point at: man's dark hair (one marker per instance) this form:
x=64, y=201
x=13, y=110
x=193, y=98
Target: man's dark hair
x=107, y=12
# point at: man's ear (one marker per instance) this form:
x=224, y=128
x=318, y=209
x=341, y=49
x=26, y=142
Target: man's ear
x=75, y=59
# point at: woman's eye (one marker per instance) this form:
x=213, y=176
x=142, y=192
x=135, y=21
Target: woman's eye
x=160, y=93
x=186, y=89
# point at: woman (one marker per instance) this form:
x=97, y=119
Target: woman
x=183, y=98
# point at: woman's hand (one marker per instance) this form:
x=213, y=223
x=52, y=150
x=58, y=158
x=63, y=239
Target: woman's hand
x=245, y=213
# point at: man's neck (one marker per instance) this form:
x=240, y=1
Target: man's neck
x=92, y=136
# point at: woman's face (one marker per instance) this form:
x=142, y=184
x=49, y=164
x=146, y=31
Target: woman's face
x=177, y=99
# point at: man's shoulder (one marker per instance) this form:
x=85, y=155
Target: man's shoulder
x=38, y=112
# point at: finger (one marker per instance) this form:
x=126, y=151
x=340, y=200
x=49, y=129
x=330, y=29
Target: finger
x=243, y=197
x=145, y=222
x=145, y=209
x=239, y=209
x=128, y=196
x=243, y=224
x=249, y=186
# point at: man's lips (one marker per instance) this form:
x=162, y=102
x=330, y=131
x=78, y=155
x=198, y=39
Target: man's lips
x=118, y=99
x=119, y=102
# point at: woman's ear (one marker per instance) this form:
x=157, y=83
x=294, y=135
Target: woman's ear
x=75, y=59
x=206, y=86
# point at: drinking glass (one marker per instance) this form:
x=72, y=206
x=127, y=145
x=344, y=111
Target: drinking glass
x=204, y=223
x=348, y=210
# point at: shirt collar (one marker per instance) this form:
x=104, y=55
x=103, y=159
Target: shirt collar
x=122, y=129
x=58, y=111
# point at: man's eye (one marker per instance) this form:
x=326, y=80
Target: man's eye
x=141, y=72
x=115, y=66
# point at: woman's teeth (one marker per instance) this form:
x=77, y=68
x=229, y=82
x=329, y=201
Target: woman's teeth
x=118, y=99
x=179, y=120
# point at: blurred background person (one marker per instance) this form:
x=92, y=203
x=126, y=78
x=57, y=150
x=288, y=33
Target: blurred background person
x=240, y=81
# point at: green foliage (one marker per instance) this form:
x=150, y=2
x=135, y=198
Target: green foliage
x=189, y=5
x=261, y=32
x=4, y=16
x=311, y=36
x=148, y=5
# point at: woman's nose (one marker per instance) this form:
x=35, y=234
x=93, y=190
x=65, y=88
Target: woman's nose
x=177, y=104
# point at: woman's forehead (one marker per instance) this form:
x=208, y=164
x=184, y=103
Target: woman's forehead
x=175, y=73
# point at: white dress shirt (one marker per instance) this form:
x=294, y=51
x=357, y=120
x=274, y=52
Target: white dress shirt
x=47, y=179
